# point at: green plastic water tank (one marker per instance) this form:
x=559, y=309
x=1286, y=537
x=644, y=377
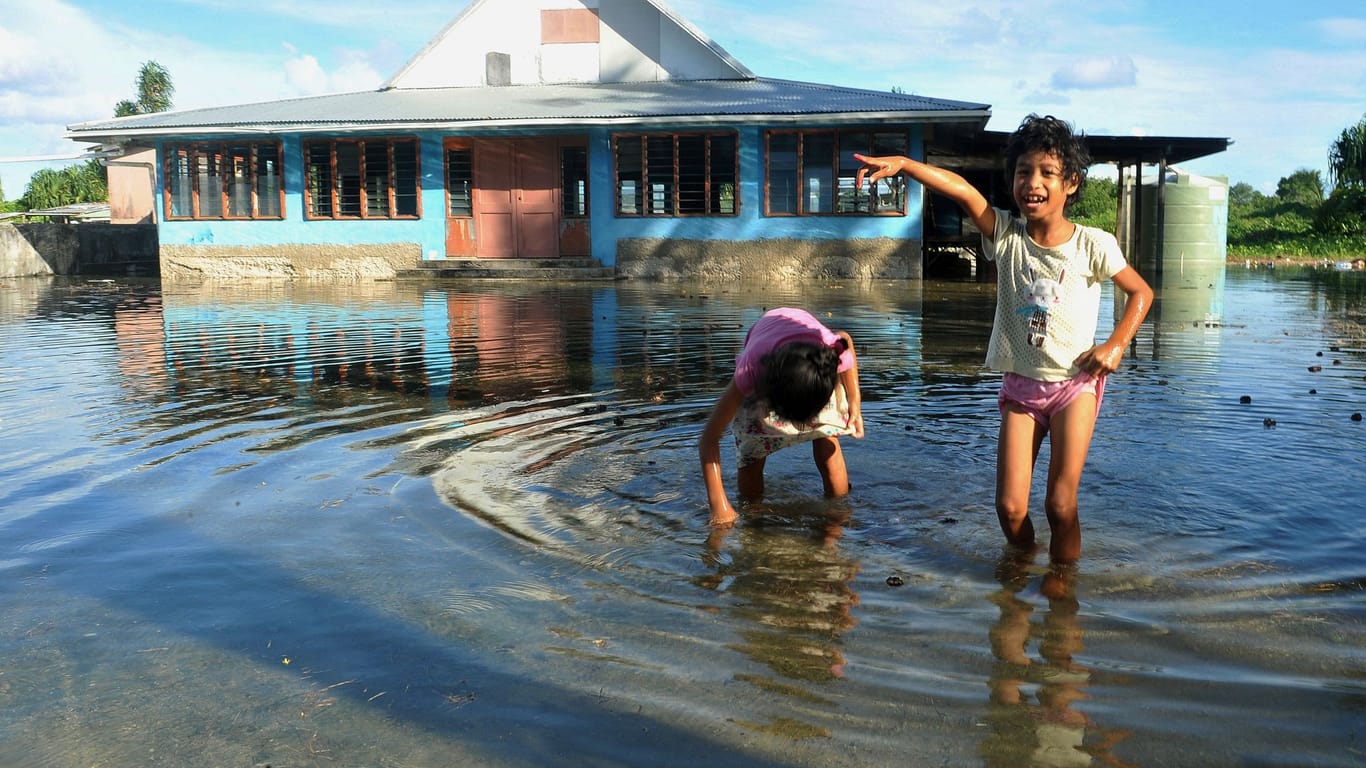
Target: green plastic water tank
x=1190, y=278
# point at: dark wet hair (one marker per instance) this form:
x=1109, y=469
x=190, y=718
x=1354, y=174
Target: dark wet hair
x=799, y=378
x=1049, y=134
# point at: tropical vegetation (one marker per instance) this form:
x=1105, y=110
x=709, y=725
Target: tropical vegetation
x=1299, y=221
x=88, y=182
x=154, y=92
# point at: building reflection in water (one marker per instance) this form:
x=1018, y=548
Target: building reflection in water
x=140, y=338
x=509, y=346
x=454, y=348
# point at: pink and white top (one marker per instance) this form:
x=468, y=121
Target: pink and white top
x=778, y=327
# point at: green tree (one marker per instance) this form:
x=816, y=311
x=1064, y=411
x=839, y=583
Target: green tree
x=1243, y=193
x=1304, y=187
x=154, y=92
x=1347, y=157
x=1344, y=213
x=49, y=188
x=1098, y=204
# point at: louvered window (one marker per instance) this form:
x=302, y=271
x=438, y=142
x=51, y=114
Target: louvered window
x=813, y=173
x=362, y=179
x=223, y=181
x=676, y=174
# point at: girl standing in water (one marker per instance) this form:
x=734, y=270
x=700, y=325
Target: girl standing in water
x=1049, y=275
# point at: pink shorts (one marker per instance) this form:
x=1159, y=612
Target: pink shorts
x=1043, y=399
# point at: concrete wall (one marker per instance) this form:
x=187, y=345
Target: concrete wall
x=132, y=187
x=774, y=259
x=78, y=249
x=228, y=262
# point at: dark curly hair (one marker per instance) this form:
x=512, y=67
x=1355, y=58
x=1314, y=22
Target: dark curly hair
x=799, y=378
x=1049, y=134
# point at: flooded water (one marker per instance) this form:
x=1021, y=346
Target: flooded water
x=435, y=525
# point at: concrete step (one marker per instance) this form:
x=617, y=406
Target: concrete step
x=510, y=269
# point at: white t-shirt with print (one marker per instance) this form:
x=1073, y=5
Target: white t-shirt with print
x=1047, y=299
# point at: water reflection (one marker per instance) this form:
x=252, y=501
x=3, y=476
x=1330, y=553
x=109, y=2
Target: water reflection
x=791, y=585
x=141, y=341
x=517, y=346
x=1033, y=717
x=483, y=500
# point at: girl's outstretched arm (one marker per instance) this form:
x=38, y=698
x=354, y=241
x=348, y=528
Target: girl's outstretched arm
x=1105, y=357
x=849, y=379
x=939, y=180
x=709, y=453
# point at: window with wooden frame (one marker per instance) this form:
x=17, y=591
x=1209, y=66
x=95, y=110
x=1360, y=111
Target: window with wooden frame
x=812, y=173
x=459, y=182
x=223, y=180
x=574, y=182
x=667, y=174
x=362, y=179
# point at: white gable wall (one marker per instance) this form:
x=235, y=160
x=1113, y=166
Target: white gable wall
x=684, y=57
x=630, y=42
x=637, y=41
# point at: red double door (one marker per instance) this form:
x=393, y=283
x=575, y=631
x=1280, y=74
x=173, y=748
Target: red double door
x=515, y=200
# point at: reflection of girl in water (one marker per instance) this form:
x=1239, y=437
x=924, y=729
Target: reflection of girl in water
x=792, y=585
x=1051, y=732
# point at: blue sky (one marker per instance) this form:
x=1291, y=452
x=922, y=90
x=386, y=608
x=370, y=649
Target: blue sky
x=1281, y=79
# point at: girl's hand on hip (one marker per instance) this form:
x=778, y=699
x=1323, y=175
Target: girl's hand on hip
x=1101, y=359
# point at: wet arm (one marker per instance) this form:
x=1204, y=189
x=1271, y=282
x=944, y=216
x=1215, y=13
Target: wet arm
x=849, y=379
x=1105, y=357
x=709, y=454
x=939, y=180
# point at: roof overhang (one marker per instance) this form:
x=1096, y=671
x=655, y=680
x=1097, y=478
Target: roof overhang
x=1113, y=150
x=565, y=106
x=644, y=123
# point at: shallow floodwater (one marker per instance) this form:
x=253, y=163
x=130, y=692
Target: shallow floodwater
x=461, y=524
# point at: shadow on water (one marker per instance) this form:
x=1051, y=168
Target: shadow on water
x=253, y=609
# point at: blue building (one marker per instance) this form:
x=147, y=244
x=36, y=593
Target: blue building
x=608, y=132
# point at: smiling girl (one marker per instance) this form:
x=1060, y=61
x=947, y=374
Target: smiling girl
x=1054, y=371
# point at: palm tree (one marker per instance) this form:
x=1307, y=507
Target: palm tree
x=154, y=88
x=49, y=188
x=46, y=189
x=154, y=92
x=1347, y=157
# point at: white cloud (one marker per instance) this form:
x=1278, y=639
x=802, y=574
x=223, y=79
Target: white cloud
x=1088, y=74
x=1342, y=31
x=41, y=93
x=307, y=77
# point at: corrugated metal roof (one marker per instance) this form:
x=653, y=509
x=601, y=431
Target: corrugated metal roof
x=645, y=103
x=74, y=212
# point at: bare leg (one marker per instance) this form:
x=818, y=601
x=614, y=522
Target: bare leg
x=1017, y=447
x=1069, y=441
x=749, y=480
x=829, y=460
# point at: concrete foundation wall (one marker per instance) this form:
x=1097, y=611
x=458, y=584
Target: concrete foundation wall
x=77, y=249
x=36, y=249
x=230, y=262
x=775, y=259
